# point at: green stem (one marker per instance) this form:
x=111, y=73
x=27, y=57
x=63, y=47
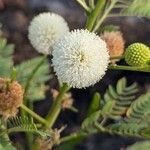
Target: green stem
x=120, y=6
x=103, y=121
x=73, y=109
x=71, y=137
x=56, y=106
x=27, y=86
x=78, y=135
x=129, y=68
x=120, y=15
x=34, y=115
x=105, y=15
x=91, y=3
x=84, y=5
x=100, y=127
x=124, y=2
x=27, y=103
x=13, y=75
x=1, y=134
x=15, y=130
x=94, y=14
x=29, y=135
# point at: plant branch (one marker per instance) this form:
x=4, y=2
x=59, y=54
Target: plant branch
x=56, y=106
x=94, y=14
x=73, y=136
x=104, y=16
x=120, y=15
x=79, y=135
x=34, y=115
x=16, y=129
x=83, y=4
x=124, y=2
x=130, y=68
x=120, y=6
x=91, y=4
x=27, y=86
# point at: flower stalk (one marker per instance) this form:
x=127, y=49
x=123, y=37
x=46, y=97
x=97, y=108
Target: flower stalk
x=73, y=136
x=34, y=115
x=94, y=14
x=27, y=86
x=83, y=4
x=56, y=106
x=81, y=135
x=91, y=4
x=106, y=12
x=129, y=68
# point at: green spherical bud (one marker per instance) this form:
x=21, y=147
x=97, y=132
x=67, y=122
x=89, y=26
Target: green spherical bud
x=137, y=54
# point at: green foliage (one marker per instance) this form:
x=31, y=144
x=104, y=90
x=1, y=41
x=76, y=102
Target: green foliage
x=89, y=124
x=33, y=81
x=110, y=28
x=37, y=86
x=117, y=101
x=5, y=144
x=129, y=115
x=21, y=124
x=70, y=145
x=6, y=60
x=24, y=124
x=95, y=104
x=136, y=122
x=144, y=145
x=139, y=8
x=129, y=129
x=140, y=109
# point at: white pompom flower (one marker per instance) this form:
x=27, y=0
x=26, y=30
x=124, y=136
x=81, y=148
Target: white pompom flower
x=80, y=58
x=45, y=29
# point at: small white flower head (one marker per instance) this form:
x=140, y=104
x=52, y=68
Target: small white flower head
x=45, y=29
x=80, y=58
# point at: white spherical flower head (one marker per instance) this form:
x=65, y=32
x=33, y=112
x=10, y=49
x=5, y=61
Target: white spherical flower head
x=45, y=29
x=80, y=58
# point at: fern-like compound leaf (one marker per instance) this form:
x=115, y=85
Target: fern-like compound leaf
x=128, y=129
x=137, y=119
x=140, y=109
x=24, y=124
x=6, y=60
x=5, y=144
x=139, y=8
x=37, y=86
x=118, y=100
x=88, y=124
x=144, y=145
